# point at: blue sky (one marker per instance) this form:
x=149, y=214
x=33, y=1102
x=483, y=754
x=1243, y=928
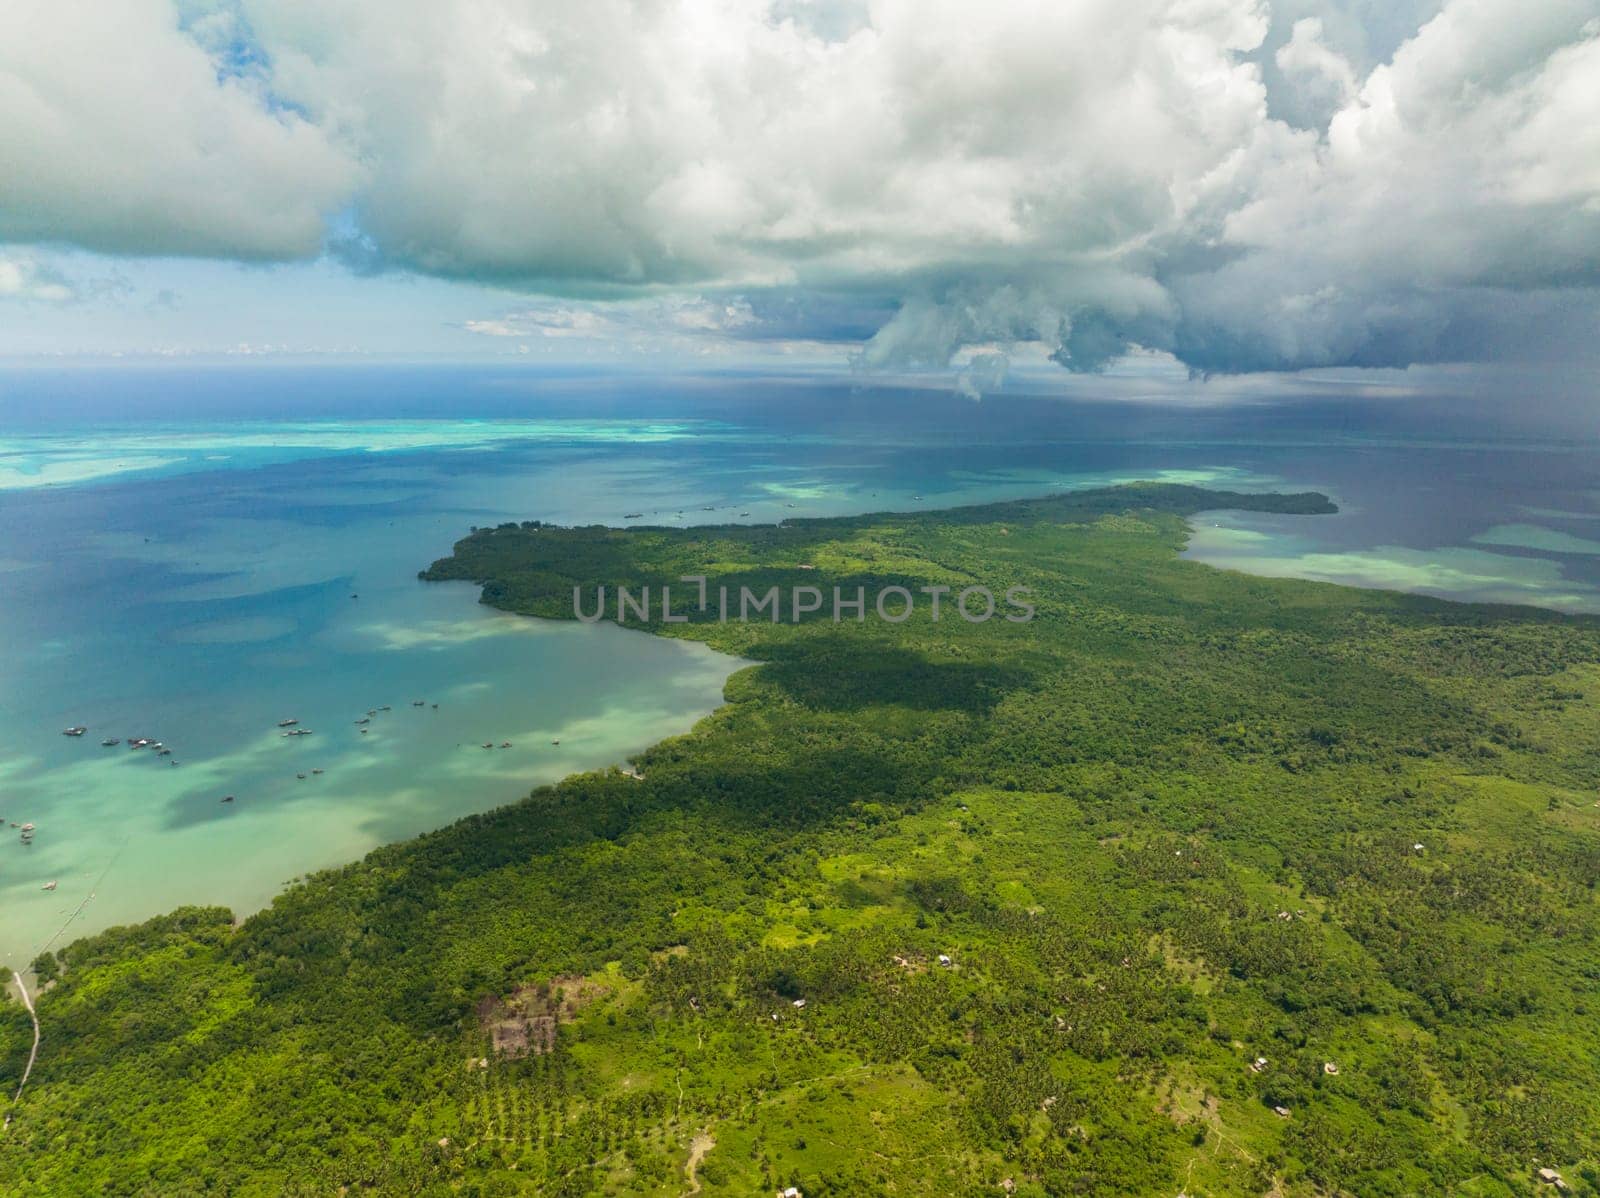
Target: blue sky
x=1169, y=188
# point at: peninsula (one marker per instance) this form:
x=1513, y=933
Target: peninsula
x=1192, y=881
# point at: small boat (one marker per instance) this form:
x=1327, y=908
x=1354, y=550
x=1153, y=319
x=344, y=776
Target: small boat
x=164, y=753
x=75, y=730
x=302, y=777
x=48, y=886
x=488, y=744
x=419, y=702
x=287, y=723
x=227, y=798
x=744, y=513
x=364, y=720
x=372, y=712
x=385, y=707
x=316, y=771
x=634, y=516
x=298, y=732
x=436, y=707
x=555, y=742
x=109, y=741
x=27, y=827
x=505, y=744
x=364, y=731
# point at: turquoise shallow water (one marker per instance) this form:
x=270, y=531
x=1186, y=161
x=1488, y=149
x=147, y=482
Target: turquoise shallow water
x=203, y=608
x=192, y=580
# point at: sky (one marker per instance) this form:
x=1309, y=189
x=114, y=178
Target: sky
x=1174, y=189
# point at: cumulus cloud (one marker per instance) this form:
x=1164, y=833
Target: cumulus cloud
x=23, y=278
x=120, y=132
x=686, y=315
x=1244, y=184
x=52, y=279
x=786, y=321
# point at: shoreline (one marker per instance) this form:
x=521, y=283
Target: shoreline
x=1314, y=503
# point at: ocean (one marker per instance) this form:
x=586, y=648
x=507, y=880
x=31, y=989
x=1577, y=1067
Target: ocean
x=196, y=555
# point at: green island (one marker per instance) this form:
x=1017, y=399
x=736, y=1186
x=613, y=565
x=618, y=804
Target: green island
x=1196, y=883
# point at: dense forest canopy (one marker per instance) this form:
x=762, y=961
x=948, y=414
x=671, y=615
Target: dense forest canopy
x=1195, y=881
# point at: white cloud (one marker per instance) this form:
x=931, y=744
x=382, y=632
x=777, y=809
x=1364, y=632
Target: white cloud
x=1325, y=79
x=23, y=278
x=681, y=324
x=1243, y=184
x=117, y=134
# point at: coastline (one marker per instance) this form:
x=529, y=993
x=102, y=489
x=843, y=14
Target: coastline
x=874, y=831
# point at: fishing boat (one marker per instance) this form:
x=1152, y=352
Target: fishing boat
x=75, y=730
x=109, y=741
x=287, y=723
